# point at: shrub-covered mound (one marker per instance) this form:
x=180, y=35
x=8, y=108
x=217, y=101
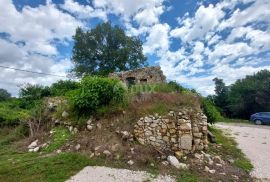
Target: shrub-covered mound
x=94, y=92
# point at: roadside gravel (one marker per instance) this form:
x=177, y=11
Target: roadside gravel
x=254, y=141
x=106, y=174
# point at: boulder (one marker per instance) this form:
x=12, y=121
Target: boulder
x=33, y=144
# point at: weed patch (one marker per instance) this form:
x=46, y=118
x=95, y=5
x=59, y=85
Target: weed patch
x=60, y=136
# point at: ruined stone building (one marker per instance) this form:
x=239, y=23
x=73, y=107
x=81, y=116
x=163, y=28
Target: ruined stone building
x=139, y=76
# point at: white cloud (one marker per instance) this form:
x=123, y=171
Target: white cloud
x=206, y=52
x=158, y=40
x=152, y=15
x=83, y=11
x=126, y=8
x=37, y=27
x=205, y=19
x=31, y=43
x=259, y=11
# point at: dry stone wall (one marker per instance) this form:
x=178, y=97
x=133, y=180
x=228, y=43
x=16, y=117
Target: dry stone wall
x=184, y=131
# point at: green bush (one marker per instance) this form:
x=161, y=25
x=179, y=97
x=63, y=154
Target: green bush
x=210, y=110
x=95, y=92
x=4, y=95
x=62, y=87
x=11, y=113
x=30, y=94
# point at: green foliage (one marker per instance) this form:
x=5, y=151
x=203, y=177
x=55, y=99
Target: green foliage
x=221, y=97
x=62, y=87
x=60, y=136
x=95, y=92
x=105, y=49
x=29, y=94
x=209, y=109
x=11, y=113
x=244, y=97
x=4, y=95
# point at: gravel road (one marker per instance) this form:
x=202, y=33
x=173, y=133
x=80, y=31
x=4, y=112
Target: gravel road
x=106, y=174
x=254, y=141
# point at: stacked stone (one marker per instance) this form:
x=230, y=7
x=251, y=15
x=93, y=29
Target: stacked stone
x=176, y=131
x=199, y=128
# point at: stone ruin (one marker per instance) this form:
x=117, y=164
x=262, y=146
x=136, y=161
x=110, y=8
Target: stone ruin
x=140, y=76
x=184, y=131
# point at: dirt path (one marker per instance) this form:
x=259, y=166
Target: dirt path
x=255, y=143
x=106, y=174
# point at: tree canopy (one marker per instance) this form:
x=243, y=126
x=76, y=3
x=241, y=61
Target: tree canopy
x=105, y=49
x=4, y=95
x=244, y=97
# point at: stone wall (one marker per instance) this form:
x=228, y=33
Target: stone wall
x=184, y=131
x=142, y=75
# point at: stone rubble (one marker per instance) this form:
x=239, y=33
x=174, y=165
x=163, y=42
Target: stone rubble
x=184, y=131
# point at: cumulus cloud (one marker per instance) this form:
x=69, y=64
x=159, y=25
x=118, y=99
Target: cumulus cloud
x=205, y=20
x=31, y=43
x=83, y=11
x=37, y=27
x=220, y=40
x=158, y=40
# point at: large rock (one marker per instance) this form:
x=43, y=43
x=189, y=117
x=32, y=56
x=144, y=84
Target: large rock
x=33, y=144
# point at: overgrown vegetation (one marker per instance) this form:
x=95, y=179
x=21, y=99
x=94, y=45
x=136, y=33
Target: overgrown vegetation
x=11, y=113
x=210, y=110
x=62, y=87
x=4, y=95
x=95, y=92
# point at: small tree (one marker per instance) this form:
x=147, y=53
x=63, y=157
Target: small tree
x=105, y=49
x=4, y=95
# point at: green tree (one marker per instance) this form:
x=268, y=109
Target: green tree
x=4, y=95
x=250, y=95
x=221, y=96
x=105, y=49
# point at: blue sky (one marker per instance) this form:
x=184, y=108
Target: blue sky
x=193, y=41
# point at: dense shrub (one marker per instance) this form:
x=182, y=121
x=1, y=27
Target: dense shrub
x=4, y=95
x=210, y=110
x=95, y=92
x=30, y=94
x=62, y=87
x=11, y=113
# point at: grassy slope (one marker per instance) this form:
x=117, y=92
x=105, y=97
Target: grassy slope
x=23, y=166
